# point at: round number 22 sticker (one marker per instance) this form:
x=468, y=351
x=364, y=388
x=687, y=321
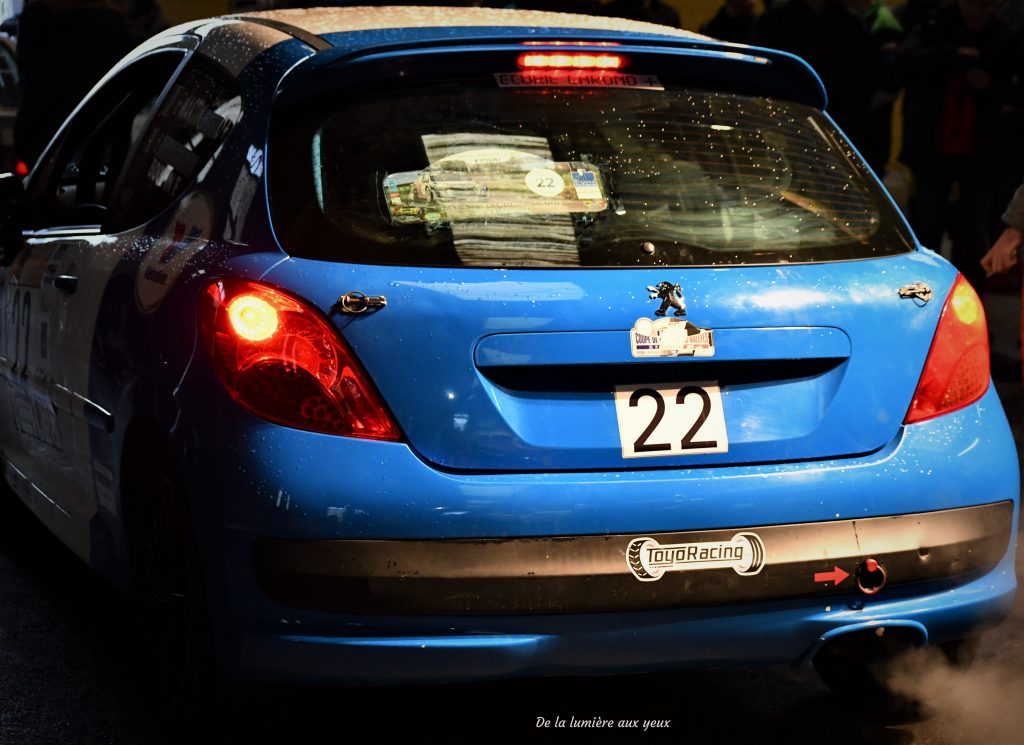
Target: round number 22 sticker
x=544, y=182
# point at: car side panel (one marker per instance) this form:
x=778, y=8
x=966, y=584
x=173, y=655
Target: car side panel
x=122, y=338
x=145, y=334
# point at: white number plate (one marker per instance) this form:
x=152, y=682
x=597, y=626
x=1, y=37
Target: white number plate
x=670, y=419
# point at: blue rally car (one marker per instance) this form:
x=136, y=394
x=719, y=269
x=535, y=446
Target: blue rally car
x=422, y=344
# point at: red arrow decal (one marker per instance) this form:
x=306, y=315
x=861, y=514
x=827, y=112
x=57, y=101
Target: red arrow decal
x=836, y=576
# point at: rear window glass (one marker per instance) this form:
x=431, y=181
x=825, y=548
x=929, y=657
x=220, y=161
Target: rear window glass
x=473, y=174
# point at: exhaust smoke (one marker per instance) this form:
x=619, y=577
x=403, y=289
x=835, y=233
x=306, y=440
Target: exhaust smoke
x=982, y=704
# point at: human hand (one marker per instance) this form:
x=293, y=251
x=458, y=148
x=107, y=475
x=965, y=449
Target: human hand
x=1003, y=254
x=978, y=79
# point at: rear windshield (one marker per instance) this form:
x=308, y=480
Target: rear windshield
x=485, y=174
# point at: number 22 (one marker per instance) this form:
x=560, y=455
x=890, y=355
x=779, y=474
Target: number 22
x=642, y=446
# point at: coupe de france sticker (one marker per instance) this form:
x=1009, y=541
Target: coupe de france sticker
x=187, y=233
x=577, y=79
x=648, y=560
x=662, y=419
x=670, y=337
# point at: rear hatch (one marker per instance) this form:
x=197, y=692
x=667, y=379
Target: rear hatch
x=588, y=273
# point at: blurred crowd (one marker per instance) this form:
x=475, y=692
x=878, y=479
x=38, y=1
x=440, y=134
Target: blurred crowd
x=959, y=67
x=64, y=48
x=955, y=68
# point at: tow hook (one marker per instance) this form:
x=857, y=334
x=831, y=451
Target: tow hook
x=871, y=576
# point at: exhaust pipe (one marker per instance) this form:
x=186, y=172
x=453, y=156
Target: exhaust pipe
x=855, y=661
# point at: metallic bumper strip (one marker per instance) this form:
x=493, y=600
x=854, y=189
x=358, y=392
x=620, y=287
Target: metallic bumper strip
x=627, y=572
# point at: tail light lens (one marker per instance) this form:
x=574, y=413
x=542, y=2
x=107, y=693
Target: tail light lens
x=570, y=61
x=281, y=360
x=956, y=372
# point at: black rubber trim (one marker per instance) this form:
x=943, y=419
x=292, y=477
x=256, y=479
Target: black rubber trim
x=577, y=574
x=312, y=40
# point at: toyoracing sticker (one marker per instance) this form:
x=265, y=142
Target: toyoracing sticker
x=648, y=560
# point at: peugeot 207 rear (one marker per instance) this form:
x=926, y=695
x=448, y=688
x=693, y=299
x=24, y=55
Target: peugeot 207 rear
x=662, y=355
x=528, y=344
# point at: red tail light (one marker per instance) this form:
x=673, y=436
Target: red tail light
x=570, y=61
x=565, y=43
x=281, y=360
x=956, y=372
x=21, y=168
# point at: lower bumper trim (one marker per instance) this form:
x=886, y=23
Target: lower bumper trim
x=583, y=574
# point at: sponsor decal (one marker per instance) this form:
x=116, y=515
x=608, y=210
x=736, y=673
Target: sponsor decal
x=670, y=337
x=483, y=183
x=648, y=560
x=391, y=187
x=166, y=260
x=577, y=79
x=586, y=185
x=254, y=156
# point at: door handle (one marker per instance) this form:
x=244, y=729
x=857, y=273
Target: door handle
x=66, y=283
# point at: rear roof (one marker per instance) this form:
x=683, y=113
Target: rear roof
x=323, y=21
x=339, y=34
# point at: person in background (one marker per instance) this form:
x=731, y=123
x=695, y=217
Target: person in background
x=1004, y=254
x=64, y=48
x=1006, y=139
x=836, y=44
x=144, y=18
x=866, y=105
x=734, y=22
x=952, y=64
x=913, y=12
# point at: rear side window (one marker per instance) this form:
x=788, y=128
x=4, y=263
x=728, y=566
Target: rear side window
x=190, y=124
x=472, y=174
x=77, y=176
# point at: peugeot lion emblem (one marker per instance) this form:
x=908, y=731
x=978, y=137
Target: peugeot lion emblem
x=671, y=297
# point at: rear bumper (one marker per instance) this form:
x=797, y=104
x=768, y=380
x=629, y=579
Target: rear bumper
x=388, y=649
x=300, y=533
x=574, y=574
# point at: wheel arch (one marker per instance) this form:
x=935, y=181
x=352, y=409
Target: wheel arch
x=146, y=449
